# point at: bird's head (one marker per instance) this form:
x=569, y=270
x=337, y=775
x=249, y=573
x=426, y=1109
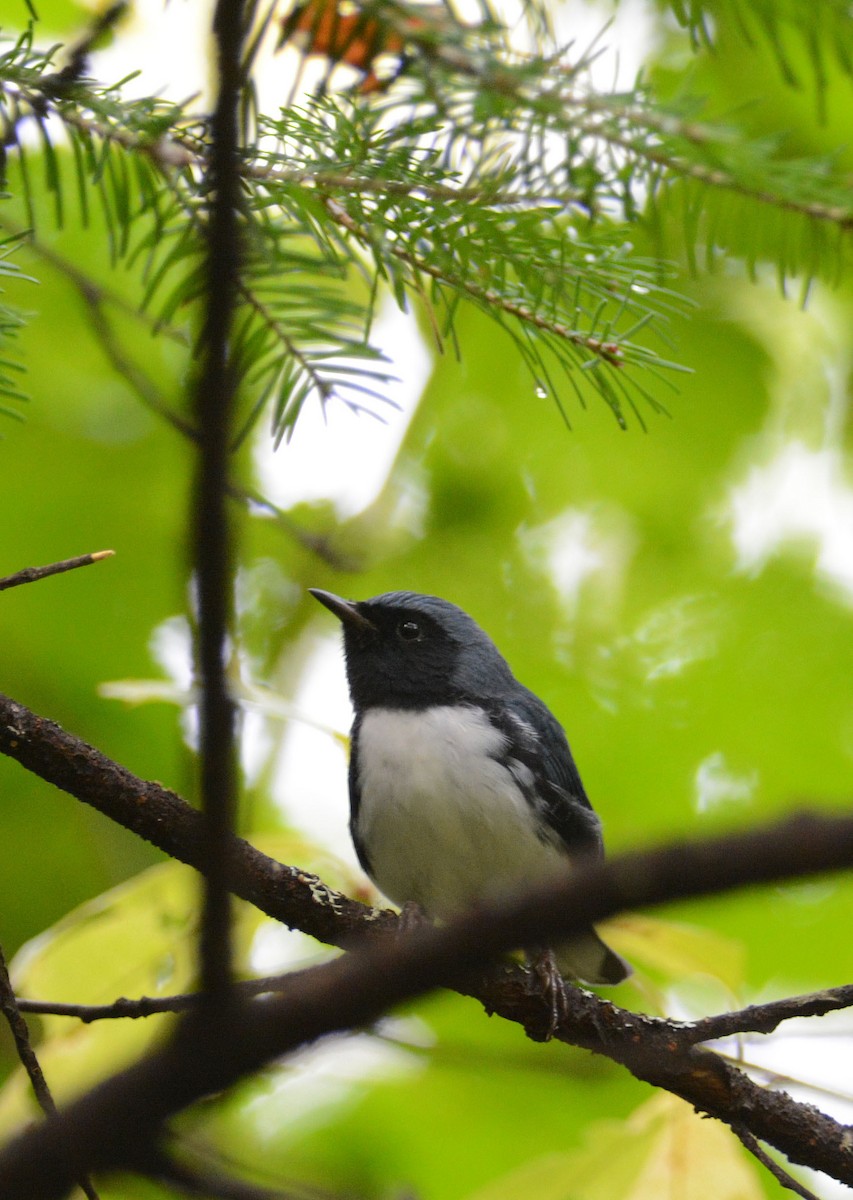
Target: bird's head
x=404, y=650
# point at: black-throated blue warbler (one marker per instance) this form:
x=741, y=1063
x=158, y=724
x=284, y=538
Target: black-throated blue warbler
x=462, y=784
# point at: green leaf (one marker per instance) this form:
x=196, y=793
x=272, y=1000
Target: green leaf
x=662, y=1149
x=138, y=939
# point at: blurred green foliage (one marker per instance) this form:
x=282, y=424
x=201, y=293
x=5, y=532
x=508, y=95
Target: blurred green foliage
x=698, y=692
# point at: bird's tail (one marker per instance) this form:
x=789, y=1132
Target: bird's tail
x=591, y=960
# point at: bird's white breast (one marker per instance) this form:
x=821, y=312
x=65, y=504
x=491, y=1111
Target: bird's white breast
x=444, y=823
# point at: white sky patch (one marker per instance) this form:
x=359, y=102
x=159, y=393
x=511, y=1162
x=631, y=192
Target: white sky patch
x=254, y=742
x=816, y=1052
x=571, y=549
x=321, y=1079
x=172, y=42
x=169, y=42
x=623, y=34
x=310, y=783
x=674, y=636
x=339, y=455
x=276, y=949
x=718, y=786
x=801, y=493
x=310, y=780
x=170, y=645
x=171, y=649
x=796, y=487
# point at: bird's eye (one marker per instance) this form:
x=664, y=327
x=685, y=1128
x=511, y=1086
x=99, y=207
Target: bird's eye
x=409, y=631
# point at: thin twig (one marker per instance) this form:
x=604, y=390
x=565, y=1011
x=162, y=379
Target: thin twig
x=145, y=1006
x=764, y=1018
x=21, y=1035
x=215, y=392
x=121, y=1009
x=775, y=1169
x=318, y=543
x=32, y=574
x=124, y=366
x=95, y=297
x=90, y=289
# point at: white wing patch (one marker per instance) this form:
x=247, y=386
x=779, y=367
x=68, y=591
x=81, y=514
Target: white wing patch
x=444, y=823
x=524, y=727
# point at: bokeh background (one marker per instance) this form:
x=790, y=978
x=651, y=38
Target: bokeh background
x=680, y=592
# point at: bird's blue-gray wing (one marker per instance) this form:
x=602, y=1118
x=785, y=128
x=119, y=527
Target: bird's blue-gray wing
x=538, y=755
x=355, y=799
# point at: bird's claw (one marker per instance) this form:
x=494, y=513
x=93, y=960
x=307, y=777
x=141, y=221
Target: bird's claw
x=412, y=917
x=551, y=986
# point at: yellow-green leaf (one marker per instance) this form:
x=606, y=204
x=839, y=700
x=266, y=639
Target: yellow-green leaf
x=679, y=950
x=663, y=1149
x=138, y=939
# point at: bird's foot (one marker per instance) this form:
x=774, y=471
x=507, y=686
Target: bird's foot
x=412, y=917
x=551, y=986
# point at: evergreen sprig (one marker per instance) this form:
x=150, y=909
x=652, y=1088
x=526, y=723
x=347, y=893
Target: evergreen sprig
x=820, y=32
x=11, y=321
x=486, y=175
x=441, y=231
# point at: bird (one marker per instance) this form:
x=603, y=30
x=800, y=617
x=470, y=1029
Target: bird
x=463, y=788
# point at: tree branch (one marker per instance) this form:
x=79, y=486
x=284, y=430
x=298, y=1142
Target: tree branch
x=755, y=1018
x=215, y=392
x=778, y=1172
x=123, y=1009
x=764, y=1018
x=33, y=574
x=108, y=1124
x=382, y=972
x=29, y=1060
x=297, y=898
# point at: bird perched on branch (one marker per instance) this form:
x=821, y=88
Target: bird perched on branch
x=462, y=784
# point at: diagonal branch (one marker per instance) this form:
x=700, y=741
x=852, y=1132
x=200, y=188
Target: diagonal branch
x=33, y=574
x=764, y=1018
x=382, y=971
x=21, y=1035
x=107, y=1125
x=162, y=818
x=777, y=1171
x=96, y=300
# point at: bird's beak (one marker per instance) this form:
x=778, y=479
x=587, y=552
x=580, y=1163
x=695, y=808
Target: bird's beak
x=345, y=610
